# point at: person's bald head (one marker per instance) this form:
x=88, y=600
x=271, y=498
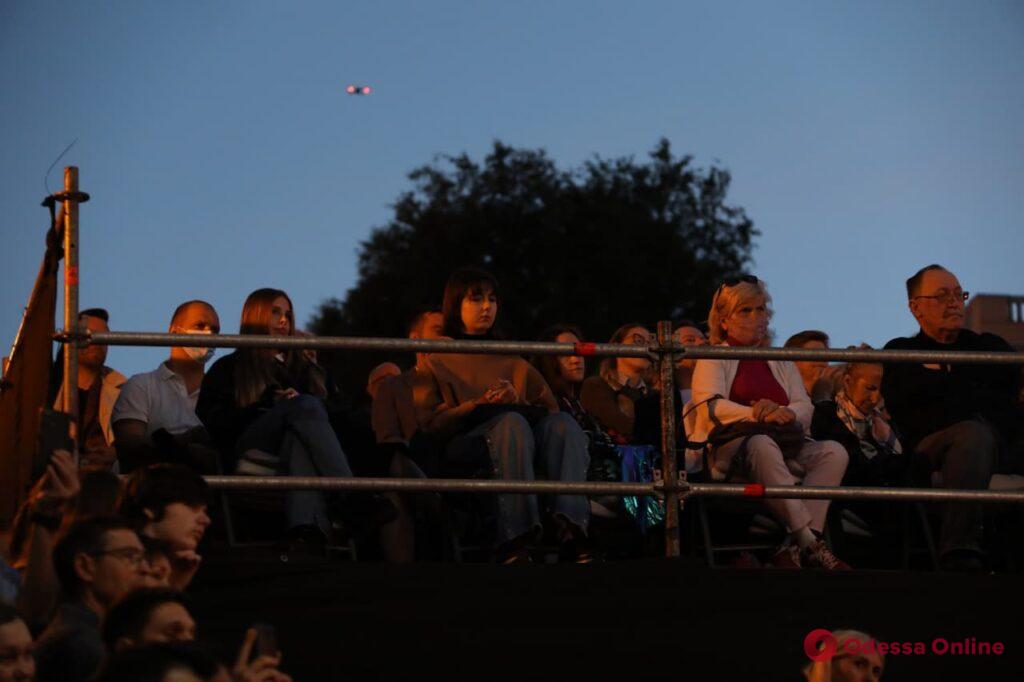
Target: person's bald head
x=193, y=317
x=185, y=314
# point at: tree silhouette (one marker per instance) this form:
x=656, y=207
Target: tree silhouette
x=597, y=246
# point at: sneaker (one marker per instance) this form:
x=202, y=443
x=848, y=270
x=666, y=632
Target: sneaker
x=512, y=553
x=819, y=555
x=577, y=551
x=787, y=556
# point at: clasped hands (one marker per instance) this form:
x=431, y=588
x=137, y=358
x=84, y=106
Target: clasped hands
x=770, y=412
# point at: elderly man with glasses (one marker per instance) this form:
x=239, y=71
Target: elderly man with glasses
x=958, y=418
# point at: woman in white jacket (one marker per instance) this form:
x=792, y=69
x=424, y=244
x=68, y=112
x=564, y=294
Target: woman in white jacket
x=770, y=392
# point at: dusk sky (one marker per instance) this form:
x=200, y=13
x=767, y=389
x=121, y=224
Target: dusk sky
x=865, y=139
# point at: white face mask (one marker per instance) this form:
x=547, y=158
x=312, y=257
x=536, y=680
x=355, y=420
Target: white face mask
x=200, y=355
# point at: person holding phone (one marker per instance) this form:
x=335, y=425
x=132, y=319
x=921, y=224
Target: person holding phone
x=271, y=401
x=505, y=400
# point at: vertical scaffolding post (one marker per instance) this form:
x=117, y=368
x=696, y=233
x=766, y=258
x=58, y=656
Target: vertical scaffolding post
x=666, y=369
x=70, y=385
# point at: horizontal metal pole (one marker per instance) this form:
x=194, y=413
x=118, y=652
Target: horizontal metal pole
x=800, y=492
x=468, y=485
x=615, y=489
x=853, y=355
x=535, y=347
x=356, y=343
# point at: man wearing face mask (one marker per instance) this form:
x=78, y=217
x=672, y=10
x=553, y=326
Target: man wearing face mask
x=154, y=419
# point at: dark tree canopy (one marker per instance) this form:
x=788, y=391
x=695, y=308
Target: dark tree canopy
x=597, y=246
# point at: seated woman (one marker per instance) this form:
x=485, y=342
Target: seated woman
x=731, y=392
x=564, y=374
x=272, y=400
x=621, y=397
x=505, y=400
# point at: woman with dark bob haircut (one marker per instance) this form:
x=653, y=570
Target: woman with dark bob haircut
x=503, y=399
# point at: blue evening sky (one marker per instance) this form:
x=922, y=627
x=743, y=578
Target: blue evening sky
x=865, y=139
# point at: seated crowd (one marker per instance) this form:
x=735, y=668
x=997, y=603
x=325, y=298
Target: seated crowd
x=79, y=557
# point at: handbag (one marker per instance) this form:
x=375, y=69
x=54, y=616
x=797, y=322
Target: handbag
x=789, y=437
x=642, y=464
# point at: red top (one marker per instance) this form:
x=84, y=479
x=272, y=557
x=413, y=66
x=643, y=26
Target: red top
x=754, y=381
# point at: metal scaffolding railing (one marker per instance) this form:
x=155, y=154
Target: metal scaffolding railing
x=684, y=489
x=357, y=343
x=664, y=352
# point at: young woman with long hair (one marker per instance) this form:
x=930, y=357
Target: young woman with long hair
x=271, y=400
x=565, y=375
x=503, y=399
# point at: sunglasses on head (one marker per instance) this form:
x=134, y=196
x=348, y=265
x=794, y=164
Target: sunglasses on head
x=733, y=281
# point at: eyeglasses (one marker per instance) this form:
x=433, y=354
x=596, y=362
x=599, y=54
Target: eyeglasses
x=955, y=296
x=131, y=555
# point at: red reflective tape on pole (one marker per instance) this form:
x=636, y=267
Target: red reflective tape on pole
x=585, y=349
x=71, y=275
x=753, y=490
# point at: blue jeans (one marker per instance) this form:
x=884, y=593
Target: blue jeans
x=557, y=446
x=298, y=432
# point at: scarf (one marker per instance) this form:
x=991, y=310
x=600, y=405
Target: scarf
x=862, y=427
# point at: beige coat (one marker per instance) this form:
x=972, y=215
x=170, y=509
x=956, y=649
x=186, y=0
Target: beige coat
x=458, y=379
x=109, y=391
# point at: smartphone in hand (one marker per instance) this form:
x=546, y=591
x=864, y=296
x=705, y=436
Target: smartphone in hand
x=266, y=640
x=54, y=434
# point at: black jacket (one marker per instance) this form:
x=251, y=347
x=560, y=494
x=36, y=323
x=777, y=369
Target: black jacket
x=223, y=417
x=923, y=401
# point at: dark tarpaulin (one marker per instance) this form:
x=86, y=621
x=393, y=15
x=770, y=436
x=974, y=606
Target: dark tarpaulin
x=26, y=383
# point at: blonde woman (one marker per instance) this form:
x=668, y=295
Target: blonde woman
x=768, y=392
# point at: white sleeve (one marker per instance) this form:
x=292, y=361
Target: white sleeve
x=709, y=381
x=799, y=402
x=133, y=402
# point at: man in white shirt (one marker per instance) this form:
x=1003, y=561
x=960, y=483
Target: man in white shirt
x=154, y=419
